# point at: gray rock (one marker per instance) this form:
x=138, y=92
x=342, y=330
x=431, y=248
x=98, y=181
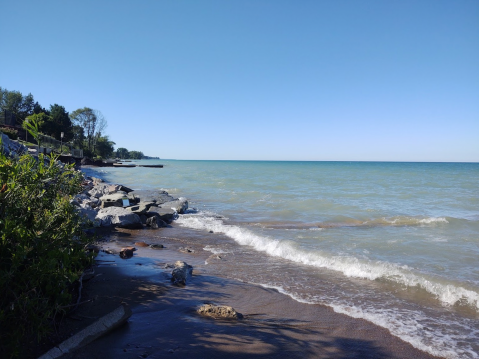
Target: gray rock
x=89, y=214
x=219, y=311
x=11, y=148
x=143, y=218
x=157, y=246
x=116, y=199
x=181, y=272
x=121, y=217
x=141, y=208
x=180, y=205
x=166, y=214
x=155, y=222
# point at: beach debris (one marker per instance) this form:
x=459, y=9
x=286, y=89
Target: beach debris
x=127, y=252
x=101, y=327
x=157, y=246
x=219, y=311
x=181, y=272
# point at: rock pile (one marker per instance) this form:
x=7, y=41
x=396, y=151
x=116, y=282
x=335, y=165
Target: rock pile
x=11, y=148
x=106, y=204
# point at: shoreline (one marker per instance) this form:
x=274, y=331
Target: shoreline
x=275, y=324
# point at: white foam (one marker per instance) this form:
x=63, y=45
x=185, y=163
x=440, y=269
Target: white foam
x=447, y=293
x=406, y=325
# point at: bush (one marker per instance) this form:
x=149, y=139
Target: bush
x=10, y=132
x=41, y=248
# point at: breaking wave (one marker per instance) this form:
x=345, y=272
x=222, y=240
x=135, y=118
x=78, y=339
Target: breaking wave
x=447, y=293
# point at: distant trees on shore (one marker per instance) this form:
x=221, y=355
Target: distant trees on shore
x=125, y=154
x=84, y=127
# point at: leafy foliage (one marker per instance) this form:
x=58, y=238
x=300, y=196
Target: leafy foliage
x=41, y=247
x=10, y=132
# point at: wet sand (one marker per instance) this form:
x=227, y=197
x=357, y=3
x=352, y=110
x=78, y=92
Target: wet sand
x=165, y=323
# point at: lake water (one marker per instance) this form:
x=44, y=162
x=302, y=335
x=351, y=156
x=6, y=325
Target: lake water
x=394, y=243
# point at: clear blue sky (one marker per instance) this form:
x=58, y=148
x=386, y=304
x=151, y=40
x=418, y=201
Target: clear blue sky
x=257, y=79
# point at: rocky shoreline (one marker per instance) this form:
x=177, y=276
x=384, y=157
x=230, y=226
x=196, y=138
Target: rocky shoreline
x=104, y=205
x=191, y=312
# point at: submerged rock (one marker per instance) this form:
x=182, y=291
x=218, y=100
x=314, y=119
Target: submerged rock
x=157, y=246
x=127, y=252
x=181, y=272
x=219, y=311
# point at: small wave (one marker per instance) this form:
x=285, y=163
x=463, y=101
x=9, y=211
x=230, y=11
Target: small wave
x=447, y=294
x=407, y=326
x=351, y=222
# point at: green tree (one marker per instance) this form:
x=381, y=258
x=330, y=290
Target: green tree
x=59, y=122
x=92, y=122
x=13, y=101
x=136, y=155
x=122, y=153
x=104, y=147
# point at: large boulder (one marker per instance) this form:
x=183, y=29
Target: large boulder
x=181, y=272
x=121, y=217
x=116, y=199
x=155, y=222
x=219, y=311
x=166, y=214
x=99, y=190
x=89, y=214
x=156, y=197
x=141, y=208
x=180, y=205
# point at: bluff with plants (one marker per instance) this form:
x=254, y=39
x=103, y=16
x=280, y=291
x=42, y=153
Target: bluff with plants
x=41, y=247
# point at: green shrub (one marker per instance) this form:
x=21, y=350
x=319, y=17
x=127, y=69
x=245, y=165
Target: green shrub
x=10, y=132
x=41, y=248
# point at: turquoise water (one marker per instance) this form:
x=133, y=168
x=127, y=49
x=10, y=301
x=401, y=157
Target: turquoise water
x=393, y=243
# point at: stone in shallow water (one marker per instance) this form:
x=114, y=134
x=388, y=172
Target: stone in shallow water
x=219, y=311
x=181, y=272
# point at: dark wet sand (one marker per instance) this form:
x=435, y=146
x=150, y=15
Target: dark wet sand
x=164, y=322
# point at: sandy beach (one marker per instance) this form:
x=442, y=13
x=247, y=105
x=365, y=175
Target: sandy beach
x=165, y=322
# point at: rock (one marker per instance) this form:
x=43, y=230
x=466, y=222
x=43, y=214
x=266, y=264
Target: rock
x=11, y=148
x=127, y=252
x=141, y=208
x=180, y=205
x=166, y=214
x=99, y=190
x=116, y=199
x=121, y=217
x=186, y=250
x=155, y=222
x=219, y=311
x=181, y=272
x=143, y=218
x=141, y=244
x=125, y=189
x=89, y=214
x=157, y=246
